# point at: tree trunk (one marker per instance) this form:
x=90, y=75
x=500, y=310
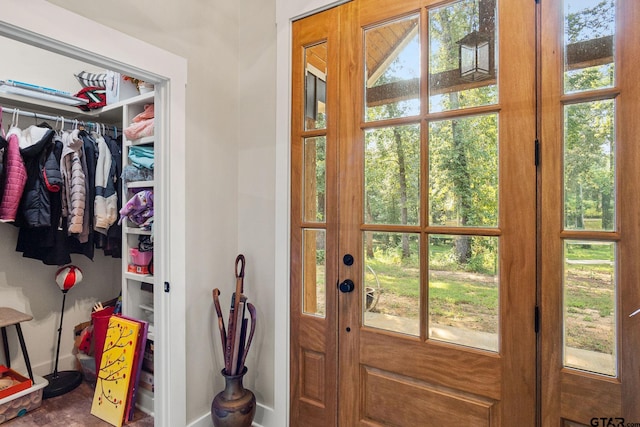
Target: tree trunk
x=402, y=180
x=368, y=241
x=462, y=185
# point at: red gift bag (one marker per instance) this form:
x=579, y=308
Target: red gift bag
x=100, y=321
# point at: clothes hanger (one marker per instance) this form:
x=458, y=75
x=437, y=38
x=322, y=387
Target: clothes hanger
x=14, y=117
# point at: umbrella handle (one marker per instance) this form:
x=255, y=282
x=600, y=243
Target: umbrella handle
x=223, y=332
x=240, y=262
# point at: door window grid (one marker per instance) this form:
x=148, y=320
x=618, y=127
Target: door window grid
x=589, y=286
x=391, y=272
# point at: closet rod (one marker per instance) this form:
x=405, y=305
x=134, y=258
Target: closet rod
x=56, y=118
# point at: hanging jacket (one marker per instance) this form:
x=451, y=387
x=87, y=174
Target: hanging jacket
x=43, y=176
x=74, y=189
x=48, y=244
x=113, y=245
x=83, y=243
x=106, y=202
x=15, y=178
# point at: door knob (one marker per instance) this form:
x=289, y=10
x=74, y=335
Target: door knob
x=346, y=286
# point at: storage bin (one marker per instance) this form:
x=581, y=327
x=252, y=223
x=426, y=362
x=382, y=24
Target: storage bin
x=140, y=258
x=18, y=404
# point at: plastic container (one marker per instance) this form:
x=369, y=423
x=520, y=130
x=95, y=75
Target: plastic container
x=18, y=404
x=140, y=258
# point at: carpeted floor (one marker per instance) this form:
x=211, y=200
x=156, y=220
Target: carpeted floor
x=71, y=410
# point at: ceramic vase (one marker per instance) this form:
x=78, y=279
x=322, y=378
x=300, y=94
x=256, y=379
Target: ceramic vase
x=235, y=406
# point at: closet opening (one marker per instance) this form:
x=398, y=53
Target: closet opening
x=28, y=285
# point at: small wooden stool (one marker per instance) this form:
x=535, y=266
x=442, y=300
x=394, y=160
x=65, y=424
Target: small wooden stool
x=8, y=317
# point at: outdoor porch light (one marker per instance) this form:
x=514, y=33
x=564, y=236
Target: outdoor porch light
x=474, y=56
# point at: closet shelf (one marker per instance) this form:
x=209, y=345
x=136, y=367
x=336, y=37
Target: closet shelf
x=145, y=399
x=39, y=93
x=146, y=278
x=146, y=307
x=110, y=114
x=138, y=231
x=140, y=184
x=41, y=106
x=140, y=141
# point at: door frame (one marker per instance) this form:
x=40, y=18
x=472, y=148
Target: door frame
x=109, y=48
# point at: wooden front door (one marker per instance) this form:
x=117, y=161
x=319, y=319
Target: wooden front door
x=413, y=214
x=590, y=205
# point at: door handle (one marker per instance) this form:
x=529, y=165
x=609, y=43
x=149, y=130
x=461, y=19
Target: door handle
x=346, y=286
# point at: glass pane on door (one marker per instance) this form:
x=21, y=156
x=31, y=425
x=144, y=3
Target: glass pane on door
x=464, y=292
x=392, y=282
x=589, y=166
x=315, y=88
x=392, y=175
x=314, y=180
x=392, y=69
x=463, y=171
x=314, y=272
x=462, y=55
x=589, y=28
x=590, y=306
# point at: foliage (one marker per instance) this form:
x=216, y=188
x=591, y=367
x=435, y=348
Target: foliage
x=589, y=163
x=589, y=23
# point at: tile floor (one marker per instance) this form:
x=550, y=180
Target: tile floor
x=71, y=410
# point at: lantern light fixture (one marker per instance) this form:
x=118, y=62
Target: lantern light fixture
x=475, y=51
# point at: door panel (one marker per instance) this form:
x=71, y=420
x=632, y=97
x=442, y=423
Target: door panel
x=429, y=211
x=313, y=219
x=455, y=254
x=589, y=223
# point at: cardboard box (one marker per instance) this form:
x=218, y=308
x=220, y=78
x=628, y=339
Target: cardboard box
x=19, y=382
x=23, y=401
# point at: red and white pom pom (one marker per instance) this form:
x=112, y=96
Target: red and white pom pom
x=67, y=277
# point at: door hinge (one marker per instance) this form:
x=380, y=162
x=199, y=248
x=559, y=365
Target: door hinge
x=167, y=287
x=536, y=321
x=537, y=152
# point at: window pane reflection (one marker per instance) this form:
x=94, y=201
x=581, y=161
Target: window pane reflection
x=315, y=88
x=392, y=75
x=589, y=29
x=462, y=55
